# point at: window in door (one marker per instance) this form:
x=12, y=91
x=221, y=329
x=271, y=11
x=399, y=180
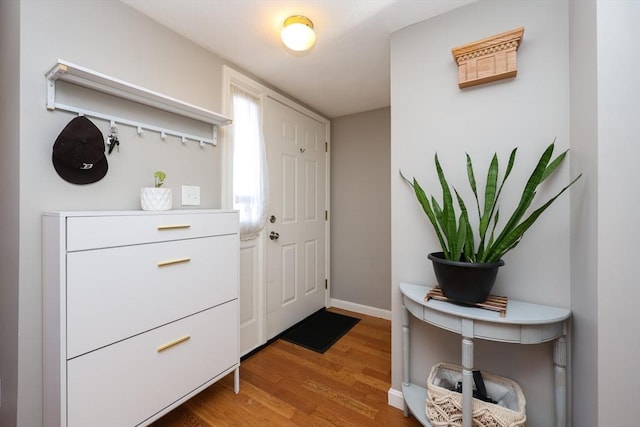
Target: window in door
x=250, y=183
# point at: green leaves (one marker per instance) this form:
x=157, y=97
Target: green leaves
x=426, y=206
x=159, y=178
x=456, y=236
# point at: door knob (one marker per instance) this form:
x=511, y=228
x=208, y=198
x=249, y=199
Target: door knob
x=274, y=235
x=272, y=219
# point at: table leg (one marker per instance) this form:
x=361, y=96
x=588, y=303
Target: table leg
x=405, y=353
x=467, y=380
x=560, y=374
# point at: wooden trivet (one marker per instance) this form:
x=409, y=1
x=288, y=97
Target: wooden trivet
x=493, y=302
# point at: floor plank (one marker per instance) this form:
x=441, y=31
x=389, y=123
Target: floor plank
x=287, y=385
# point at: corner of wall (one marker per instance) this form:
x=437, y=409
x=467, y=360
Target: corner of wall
x=10, y=206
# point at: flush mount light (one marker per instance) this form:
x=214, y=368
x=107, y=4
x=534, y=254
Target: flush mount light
x=297, y=33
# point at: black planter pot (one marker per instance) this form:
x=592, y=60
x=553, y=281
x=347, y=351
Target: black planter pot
x=464, y=282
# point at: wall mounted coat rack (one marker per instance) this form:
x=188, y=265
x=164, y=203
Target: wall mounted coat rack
x=84, y=77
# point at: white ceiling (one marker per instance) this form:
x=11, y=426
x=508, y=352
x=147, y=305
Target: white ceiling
x=346, y=72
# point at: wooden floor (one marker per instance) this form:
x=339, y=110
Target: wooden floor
x=287, y=385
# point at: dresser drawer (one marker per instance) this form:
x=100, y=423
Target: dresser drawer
x=93, y=232
x=115, y=293
x=103, y=385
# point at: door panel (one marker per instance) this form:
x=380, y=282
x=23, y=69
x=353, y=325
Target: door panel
x=252, y=310
x=311, y=190
x=296, y=259
x=289, y=193
x=311, y=266
x=289, y=279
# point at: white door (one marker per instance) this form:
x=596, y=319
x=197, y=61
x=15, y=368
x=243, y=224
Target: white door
x=296, y=225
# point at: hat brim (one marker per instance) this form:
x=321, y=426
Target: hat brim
x=82, y=176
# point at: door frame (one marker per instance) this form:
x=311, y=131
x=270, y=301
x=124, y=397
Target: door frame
x=232, y=76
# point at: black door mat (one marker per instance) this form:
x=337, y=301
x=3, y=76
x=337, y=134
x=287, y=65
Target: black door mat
x=320, y=331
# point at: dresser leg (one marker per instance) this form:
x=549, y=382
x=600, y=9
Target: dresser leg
x=236, y=380
x=560, y=374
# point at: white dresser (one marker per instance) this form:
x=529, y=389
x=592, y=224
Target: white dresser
x=140, y=312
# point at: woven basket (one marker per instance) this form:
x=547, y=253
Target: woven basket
x=444, y=407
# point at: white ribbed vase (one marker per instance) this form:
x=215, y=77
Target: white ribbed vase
x=156, y=199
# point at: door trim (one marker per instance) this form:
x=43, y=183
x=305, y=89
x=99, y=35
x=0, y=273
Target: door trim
x=232, y=76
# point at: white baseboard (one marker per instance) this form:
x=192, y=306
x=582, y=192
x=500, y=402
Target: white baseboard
x=395, y=399
x=359, y=308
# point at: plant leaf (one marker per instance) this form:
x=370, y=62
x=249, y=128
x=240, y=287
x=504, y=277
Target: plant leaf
x=493, y=229
x=468, y=245
x=424, y=202
x=525, y=201
x=553, y=165
x=512, y=160
x=448, y=214
x=489, y=196
x=461, y=236
x=481, y=246
x=437, y=210
x=472, y=182
x=436, y=206
x=511, y=240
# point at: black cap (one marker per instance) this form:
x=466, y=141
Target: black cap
x=78, y=153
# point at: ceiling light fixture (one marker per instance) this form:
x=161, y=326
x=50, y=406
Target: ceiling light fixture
x=297, y=33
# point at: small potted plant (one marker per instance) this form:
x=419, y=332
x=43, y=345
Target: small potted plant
x=156, y=198
x=467, y=265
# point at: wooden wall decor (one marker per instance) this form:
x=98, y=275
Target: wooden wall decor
x=488, y=60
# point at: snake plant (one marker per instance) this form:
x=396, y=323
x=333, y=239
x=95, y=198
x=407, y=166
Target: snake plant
x=457, y=237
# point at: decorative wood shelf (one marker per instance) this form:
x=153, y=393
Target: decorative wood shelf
x=488, y=60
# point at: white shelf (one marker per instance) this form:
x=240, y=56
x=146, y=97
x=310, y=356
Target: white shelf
x=84, y=77
x=415, y=398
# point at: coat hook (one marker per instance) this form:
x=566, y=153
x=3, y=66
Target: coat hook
x=140, y=130
x=302, y=150
x=163, y=135
x=184, y=139
x=112, y=139
x=201, y=144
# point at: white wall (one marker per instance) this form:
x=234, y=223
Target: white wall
x=9, y=207
x=361, y=209
x=584, y=218
x=618, y=194
x=112, y=38
x=429, y=113
x=604, y=228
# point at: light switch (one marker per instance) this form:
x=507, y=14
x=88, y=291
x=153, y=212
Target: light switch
x=190, y=195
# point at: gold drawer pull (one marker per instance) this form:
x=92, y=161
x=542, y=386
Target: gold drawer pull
x=173, y=261
x=173, y=343
x=173, y=227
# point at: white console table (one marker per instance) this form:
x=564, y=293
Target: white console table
x=524, y=323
